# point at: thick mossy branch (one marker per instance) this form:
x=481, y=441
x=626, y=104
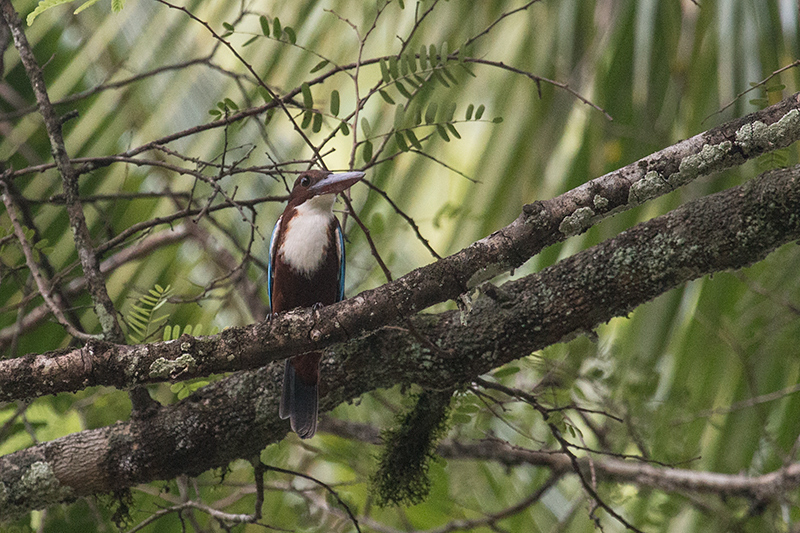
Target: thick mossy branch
x=402, y=475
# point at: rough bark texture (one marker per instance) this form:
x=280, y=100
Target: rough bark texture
x=539, y=225
x=237, y=416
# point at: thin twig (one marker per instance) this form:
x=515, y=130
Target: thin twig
x=752, y=88
x=103, y=306
x=51, y=299
x=322, y=484
x=406, y=217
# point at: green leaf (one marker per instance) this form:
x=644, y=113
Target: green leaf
x=264, y=25
x=393, y=67
x=449, y=75
x=432, y=55
x=317, y=126
x=443, y=53
x=505, y=372
x=468, y=408
x=402, y=89
x=470, y=109
x=404, y=68
x=366, y=151
x=215, y=112
x=387, y=78
x=423, y=57
x=467, y=69
x=365, y=127
x=228, y=26
x=401, y=142
x=307, y=117
x=430, y=113
x=319, y=66
x=399, y=116
x=335, y=103
x=413, y=139
x=442, y=133
x=453, y=130
x=308, y=100
x=251, y=40
x=167, y=333
x=417, y=114
x=497, y=120
x=345, y=129
x=85, y=5
x=290, y=34
x=460, y=418
x=276, y=28
x=479, y=112
x=437, y=75
x=231, y=104
x=388, y=99
x=117, y=5
x=411, y=59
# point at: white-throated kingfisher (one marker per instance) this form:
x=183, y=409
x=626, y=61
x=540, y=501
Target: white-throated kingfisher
x=306, y=269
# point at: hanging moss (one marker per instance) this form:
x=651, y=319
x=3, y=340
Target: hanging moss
x=402, y=474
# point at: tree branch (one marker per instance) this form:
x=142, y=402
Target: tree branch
x=51, y=298
x=103, y=306
x=539, y=225
x=237, y=416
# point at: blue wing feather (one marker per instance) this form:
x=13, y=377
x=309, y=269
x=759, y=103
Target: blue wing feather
x=273, y=253
x=340, y=249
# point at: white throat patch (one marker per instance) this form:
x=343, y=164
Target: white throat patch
x=306, y=241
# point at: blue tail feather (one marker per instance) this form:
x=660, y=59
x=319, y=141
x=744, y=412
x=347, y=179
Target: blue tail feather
x=299, y=403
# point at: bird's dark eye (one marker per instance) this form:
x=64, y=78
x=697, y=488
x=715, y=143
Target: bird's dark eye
x=305, y=181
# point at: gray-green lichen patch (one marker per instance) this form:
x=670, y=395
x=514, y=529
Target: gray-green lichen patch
x=38, y=487
x=647, y=188
x=105, y=318
x=757, y=136
x=576, y=222
x=710, y=158
x=600, y=202
x=133, y=359
x=162, y=368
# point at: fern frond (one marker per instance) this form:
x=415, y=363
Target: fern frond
x=141, y=318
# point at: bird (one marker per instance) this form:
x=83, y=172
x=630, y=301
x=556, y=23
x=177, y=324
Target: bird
x=306, y=269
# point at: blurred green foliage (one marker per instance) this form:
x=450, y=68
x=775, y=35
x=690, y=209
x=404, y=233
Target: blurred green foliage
x=695, y=375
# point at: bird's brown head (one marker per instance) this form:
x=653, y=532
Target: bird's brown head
x=313, y=183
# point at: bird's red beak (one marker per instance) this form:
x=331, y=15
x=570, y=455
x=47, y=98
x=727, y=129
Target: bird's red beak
x=335, y=183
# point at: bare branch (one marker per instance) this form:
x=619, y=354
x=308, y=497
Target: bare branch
x=103, y=306
x=237, y=416
x=51, y=298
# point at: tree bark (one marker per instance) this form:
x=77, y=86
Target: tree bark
x=237, y=416
x=539, y=225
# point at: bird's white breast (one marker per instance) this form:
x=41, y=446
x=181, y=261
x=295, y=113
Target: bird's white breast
x=306, y=240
